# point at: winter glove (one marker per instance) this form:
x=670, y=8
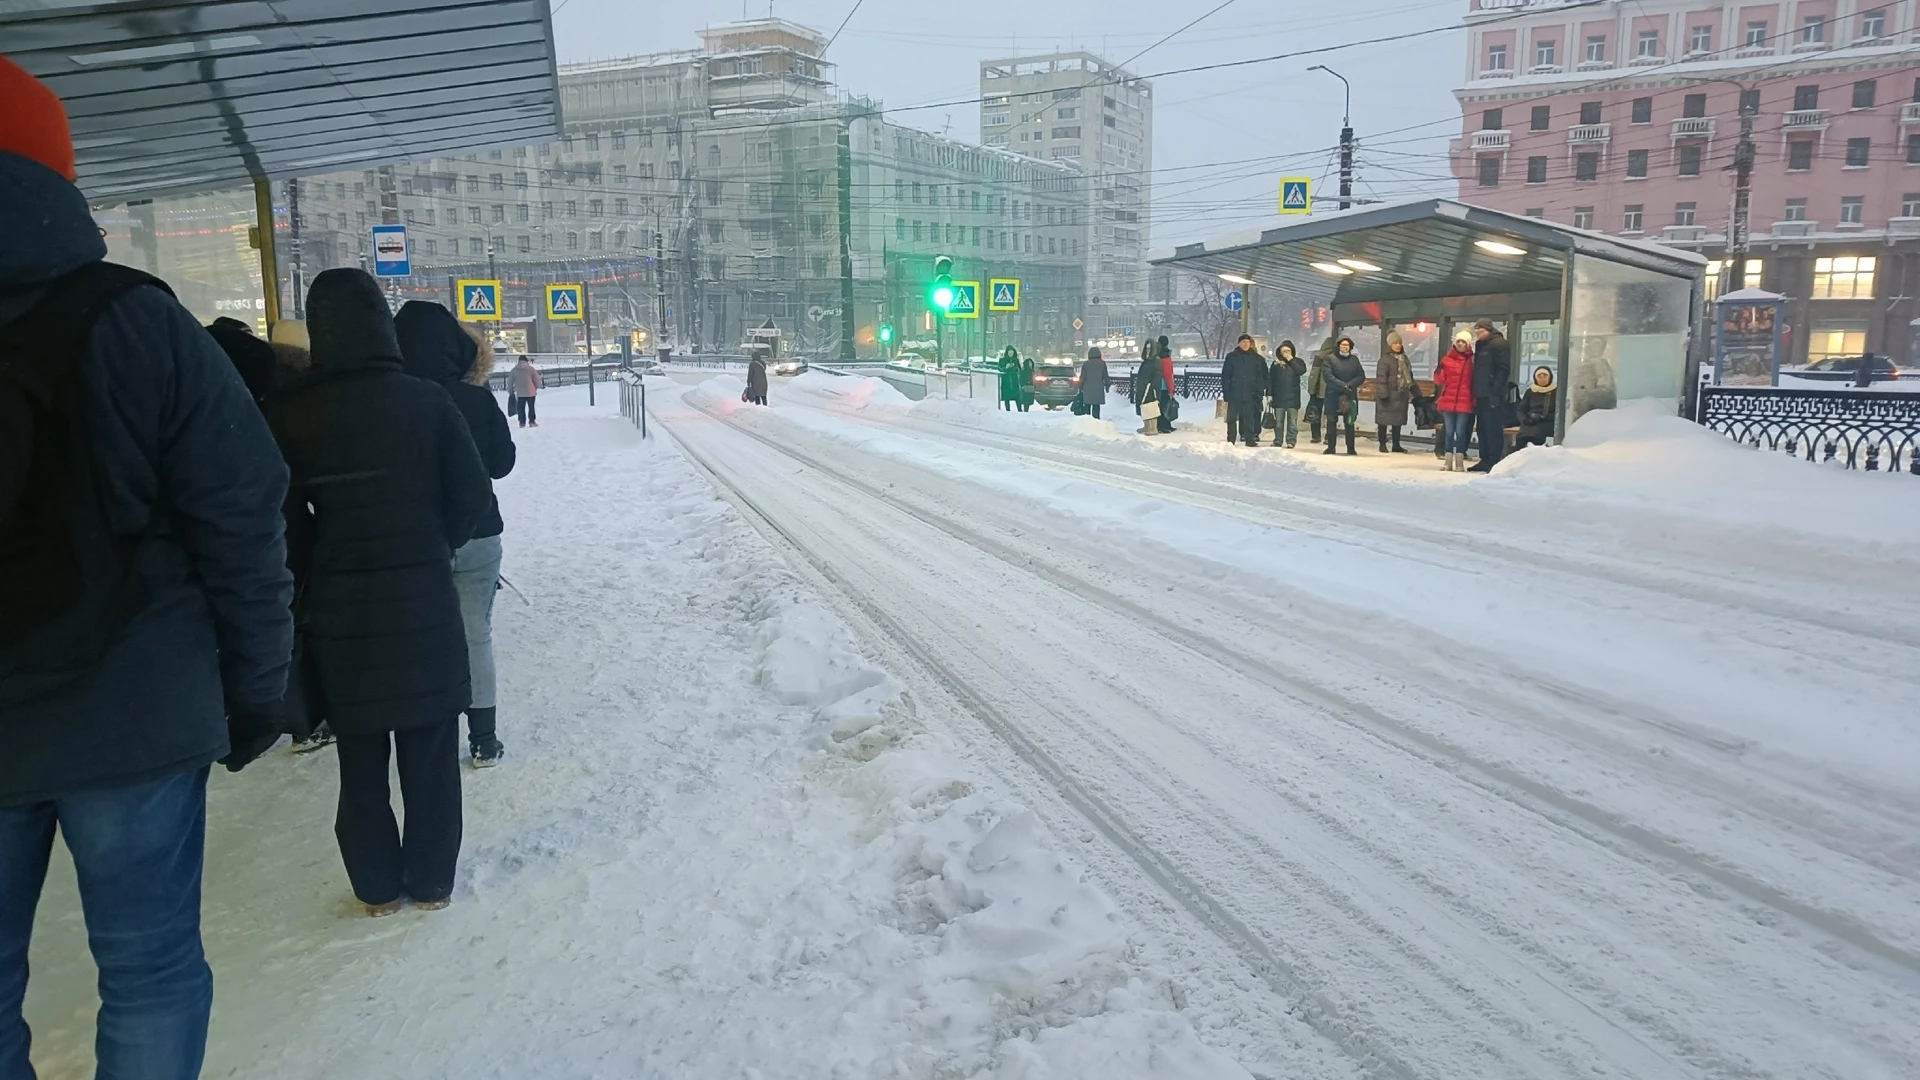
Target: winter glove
x=251, y=731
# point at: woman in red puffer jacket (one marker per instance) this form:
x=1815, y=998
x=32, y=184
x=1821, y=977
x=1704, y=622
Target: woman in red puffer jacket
x=1453, y=384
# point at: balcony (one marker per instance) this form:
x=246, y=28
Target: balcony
x=1593, y=65
x=1586, y=134
x=1795, y=228
x=1804, y=120
x=1497, y=73
x=1492, y=142
x=1683, y=233
x=1693, y=127
x=1753, y=51
x=1648, y=61
x=1910, y=113
x=1544, y=69
x=1811, y=46
x=1903, y=226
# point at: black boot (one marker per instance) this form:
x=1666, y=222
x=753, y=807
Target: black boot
x=1383, y=438
x=1350, y=440
x=482, y=744
x=1397, y=448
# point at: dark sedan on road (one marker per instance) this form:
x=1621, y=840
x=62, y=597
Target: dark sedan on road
x=1055, y=383
x=1858, y=370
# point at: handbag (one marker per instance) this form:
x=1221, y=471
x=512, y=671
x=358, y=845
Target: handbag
x=1269, y=421
x=1150, y=409
x=1079, y=406
x=1426, y=413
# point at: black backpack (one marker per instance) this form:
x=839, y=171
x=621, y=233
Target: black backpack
x=68, y=581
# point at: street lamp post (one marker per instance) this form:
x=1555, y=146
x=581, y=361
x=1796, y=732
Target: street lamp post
x=1346, y=137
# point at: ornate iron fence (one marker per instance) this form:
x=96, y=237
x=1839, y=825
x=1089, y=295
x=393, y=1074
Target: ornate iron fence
x=1861, y=429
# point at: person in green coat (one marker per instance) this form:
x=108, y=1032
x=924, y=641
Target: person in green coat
x=1026, y=383
x=1009, y=379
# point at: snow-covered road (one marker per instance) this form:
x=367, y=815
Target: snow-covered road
x=1412, y=778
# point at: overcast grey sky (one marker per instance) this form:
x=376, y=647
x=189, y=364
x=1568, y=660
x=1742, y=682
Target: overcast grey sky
x=909, y=53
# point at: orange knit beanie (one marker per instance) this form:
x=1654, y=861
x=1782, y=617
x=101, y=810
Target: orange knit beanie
x=34, y=123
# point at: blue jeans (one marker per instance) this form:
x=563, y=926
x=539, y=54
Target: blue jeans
x=1286, y=426
x=138, y=853
x=476, y=577
x=1457, y=427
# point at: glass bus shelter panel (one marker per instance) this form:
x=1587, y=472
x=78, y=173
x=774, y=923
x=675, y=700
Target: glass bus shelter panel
x=1366, y=342
x=1421, y=339
x=1628, y=336
x=1539, y=344
x=198, y=245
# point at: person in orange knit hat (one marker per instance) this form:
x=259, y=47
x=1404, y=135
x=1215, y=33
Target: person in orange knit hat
x=143, y=577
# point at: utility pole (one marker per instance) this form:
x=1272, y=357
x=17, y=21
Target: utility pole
x=660, y=292
x=295, y=267
x=1346, y=138
x=1738, y=227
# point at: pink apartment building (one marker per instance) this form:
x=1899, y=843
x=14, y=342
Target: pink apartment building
x=1623, y=118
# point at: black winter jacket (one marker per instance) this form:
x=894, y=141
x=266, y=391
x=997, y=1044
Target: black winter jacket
x=1243, y=377
x=173, y=426
x=386, y=484
x=1283, y=378
x=1492, y=368
x=1345, y=374
x=434, y=347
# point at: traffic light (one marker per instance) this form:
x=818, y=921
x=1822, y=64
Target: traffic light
x=940, y=295
x=886, y=333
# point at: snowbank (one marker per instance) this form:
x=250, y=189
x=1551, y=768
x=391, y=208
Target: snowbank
x=1642, y=453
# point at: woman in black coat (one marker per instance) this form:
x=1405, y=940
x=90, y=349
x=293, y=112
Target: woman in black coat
x=386, y=484
x=1284, y=391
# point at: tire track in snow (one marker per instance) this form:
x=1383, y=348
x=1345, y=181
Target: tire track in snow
x=1588, y=820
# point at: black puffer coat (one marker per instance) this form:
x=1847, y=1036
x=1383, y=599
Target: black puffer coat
x=434, y=347
x=1284, y=377
x=386, y=483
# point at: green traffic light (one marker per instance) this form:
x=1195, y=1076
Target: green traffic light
x=886, y=334
x=943, y=297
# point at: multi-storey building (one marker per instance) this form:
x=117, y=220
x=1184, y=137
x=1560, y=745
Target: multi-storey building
x=731, y=179
x=1624, y=118
x=1076, y=108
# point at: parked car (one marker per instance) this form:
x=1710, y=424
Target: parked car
x=790, y=366
x=1055, y=383
x=1847, y=369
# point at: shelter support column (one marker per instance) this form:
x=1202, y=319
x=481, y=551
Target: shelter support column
x=263, y=240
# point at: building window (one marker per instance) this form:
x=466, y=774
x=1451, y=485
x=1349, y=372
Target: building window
x=1700, y=39
x=713, y=193
x=918, y=230
x=1583, y=217
x=1643, y=110
x=1496, y=58
x=593, y=141
x=573, y=241
x=1913, y=149
x=1873, y=24
x=1813, y=29
x=1806, y=97
x=916, y=192
x=1836, y=337
x=1690, y=161
x=1489, y=172
x=1490, y=120
x=1844, y=277
x=1586, y=166
x=1649, y=45
x=477, y=246
x=1630, y=220
x=620, y=176
x=1536, y=211
x=1683, y=213
x=1851, y=208
x=1543, y=53
x=525, y=242
x=1757, y=34
x=431, y=244
x=1910, y=204
x=673, y=169
x=473, y=215
x=619, y=140
x=620, y=207
x=1800, y=155
x=1589, y=112
x=1857, y=152
x=499, y=214
x=473, y=182
x=596, y=207
x=1636, y=164
x=1750, y=102
x=1796, y=210
x=1864, y=92
x=713, y=156
x=1693, y=106
x=522, y=212
x=496, y=182
x=594, y=240
x=573, y=208
x=1597, y=49
x=1537, y=170
x=1541, y=119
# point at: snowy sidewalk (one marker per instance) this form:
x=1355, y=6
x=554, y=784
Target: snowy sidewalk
x=719, y=847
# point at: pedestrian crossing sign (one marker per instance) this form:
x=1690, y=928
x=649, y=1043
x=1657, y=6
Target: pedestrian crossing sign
x=479, y=299
x=1003, y=294
x=966, y=300
x=1296, y=195
x=564, y=301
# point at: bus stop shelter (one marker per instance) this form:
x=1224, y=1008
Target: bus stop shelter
x=173, y=97
x=1611, y=317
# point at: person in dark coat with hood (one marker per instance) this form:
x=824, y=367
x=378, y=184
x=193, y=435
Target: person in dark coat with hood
x=1317, y=385
x=1093, y=383
x=440, y=349
x=756, y=392
x=1009, y=379
x=1344, y=374
x=387, y=485
x=1492, y=375
x=1283, y=389
x=1539, y=408
x=109, y=751
x=1243, y=383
